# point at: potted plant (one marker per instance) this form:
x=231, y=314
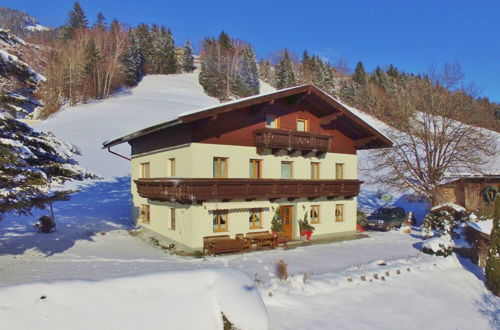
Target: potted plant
x=277, y=223
x=306, y=229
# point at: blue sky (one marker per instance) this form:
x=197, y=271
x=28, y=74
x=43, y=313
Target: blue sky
x=412, y=35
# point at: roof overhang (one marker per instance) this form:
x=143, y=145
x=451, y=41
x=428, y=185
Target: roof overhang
x=304, y=90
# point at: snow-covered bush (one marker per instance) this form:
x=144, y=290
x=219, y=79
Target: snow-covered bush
x=443, y=221
x=440, y=246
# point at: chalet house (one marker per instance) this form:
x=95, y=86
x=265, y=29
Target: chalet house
x=227, y=169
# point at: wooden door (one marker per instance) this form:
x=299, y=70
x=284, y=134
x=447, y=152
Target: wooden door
x=286, y=213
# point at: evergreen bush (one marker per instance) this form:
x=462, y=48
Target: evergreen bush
x=277, y=222
x=492, y=270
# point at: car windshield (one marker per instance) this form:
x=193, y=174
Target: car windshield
x=385, y=212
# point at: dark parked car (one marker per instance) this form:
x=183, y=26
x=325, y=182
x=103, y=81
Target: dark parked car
x=385, y=218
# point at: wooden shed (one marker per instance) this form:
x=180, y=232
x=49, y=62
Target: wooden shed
x=466, y=191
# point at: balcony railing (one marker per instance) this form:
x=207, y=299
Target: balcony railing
x=279, y=139
x=200, y=190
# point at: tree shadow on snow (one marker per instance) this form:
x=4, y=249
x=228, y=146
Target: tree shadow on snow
x=98, y=207
x=467, y=264
x=488, y=306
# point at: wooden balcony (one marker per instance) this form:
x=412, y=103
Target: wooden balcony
x=189, y=191
x=291, y=141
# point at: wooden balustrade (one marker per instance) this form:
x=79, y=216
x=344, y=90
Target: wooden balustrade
x=291, y=141
x=200, y=190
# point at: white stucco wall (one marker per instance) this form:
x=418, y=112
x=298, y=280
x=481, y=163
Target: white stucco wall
x=196, y=161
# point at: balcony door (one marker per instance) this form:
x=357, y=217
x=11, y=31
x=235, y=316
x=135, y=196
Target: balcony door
x=286, y=214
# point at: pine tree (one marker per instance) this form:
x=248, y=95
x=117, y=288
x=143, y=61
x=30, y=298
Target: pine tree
x=266, y=71
x=211, y=76
x=188, y=58
x=115, y=26
x=162, y=56
x=33, y=168
x=93, y=56
x=100, y=23
x=245, y=79
x=226, y=49
x=76, y=20
x=171, y=65
x=492, y=270
x=360, y=75
x=306, y=69
x=393, y=72
x=133, y=65
x=140, y=40
x=379, y=77
x=285, y=76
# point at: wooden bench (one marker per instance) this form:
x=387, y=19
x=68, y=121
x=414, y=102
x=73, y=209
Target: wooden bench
x=247, y=242
x=256, y=237
x=281, y=239
x=227, y=245
x=208, y=242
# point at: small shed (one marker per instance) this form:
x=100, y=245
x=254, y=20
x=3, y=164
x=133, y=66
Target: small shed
x=466, y=191
x=478, y=233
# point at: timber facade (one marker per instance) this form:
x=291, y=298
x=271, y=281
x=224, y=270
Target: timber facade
x=228, y=169
x=466, y=191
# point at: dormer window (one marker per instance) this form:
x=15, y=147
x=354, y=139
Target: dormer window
x=271, y=121
x=302, y=125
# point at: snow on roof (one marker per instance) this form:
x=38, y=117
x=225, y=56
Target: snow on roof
x=453, y=206
x=484, y=226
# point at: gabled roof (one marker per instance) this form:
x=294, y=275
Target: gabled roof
x=307, y=90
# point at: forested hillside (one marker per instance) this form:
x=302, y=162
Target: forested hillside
x=89, y=59
x=19, y=22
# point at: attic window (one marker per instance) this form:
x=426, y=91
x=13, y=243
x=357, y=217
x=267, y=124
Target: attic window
x=271, y=121
x=302, y=125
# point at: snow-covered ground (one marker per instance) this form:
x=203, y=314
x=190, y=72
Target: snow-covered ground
x=325, y=288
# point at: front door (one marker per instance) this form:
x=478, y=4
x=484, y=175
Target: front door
x=286, y=213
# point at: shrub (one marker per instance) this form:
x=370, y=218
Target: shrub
x=277, y=222
x=304, y=225
x=440, y=246
x=492, y=270
x=440, y=220
x=281, y=270
x=361, y=218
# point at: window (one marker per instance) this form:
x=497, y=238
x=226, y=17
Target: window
x=315, y=171
x=145, y=213
x=172, y=218
x=220, y=167
x=220, y=221
x=171, y=164
x=272, y=121
x=145, y=170
x=339, y=171
x=286, y=170
x=339, y=212
x=302, y=125
x=255, y=169
x=255, y=219
x=315, y=214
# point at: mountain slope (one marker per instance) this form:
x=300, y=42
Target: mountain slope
x=19, y=22
x=156, y=99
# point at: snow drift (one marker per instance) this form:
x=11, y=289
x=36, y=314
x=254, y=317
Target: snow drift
x=171, y=300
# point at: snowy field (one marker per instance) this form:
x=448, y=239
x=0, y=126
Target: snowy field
x=92, y=273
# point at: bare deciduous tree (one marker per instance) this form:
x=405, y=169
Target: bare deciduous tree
x=428, y=143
